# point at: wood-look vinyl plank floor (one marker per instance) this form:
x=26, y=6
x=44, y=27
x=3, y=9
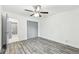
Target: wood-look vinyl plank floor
x=39, y=46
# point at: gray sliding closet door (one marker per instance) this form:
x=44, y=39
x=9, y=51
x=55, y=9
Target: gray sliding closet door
x=32, y=29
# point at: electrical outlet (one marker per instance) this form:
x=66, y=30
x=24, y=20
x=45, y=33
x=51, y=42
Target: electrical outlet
x=66, y=41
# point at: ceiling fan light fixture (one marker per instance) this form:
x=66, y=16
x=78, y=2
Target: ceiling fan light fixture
x=36, y=14
x=38, y=8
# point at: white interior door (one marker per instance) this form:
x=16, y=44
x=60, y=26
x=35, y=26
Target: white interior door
x=4, y=31
x=9, y=34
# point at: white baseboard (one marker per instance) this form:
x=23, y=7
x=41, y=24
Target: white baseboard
x=60, y=42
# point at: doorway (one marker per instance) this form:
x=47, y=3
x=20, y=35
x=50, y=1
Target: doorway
x=12, y=30
x=32, y=29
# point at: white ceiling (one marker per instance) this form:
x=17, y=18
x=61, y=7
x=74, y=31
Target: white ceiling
x=52, y=9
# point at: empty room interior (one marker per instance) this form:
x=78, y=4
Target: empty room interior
x=39, y=29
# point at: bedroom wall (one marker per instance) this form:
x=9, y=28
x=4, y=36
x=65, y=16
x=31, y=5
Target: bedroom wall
x=21, y=26
x=62, y=27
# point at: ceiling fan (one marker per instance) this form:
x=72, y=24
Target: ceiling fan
x=36, y=11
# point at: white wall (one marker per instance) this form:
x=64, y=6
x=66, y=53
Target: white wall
x=62, y=27
x=22, y=31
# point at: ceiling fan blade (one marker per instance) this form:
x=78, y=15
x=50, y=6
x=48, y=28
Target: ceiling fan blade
x=40, y=16
x=44, y=12
x=32, y=15
x=28, y=10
